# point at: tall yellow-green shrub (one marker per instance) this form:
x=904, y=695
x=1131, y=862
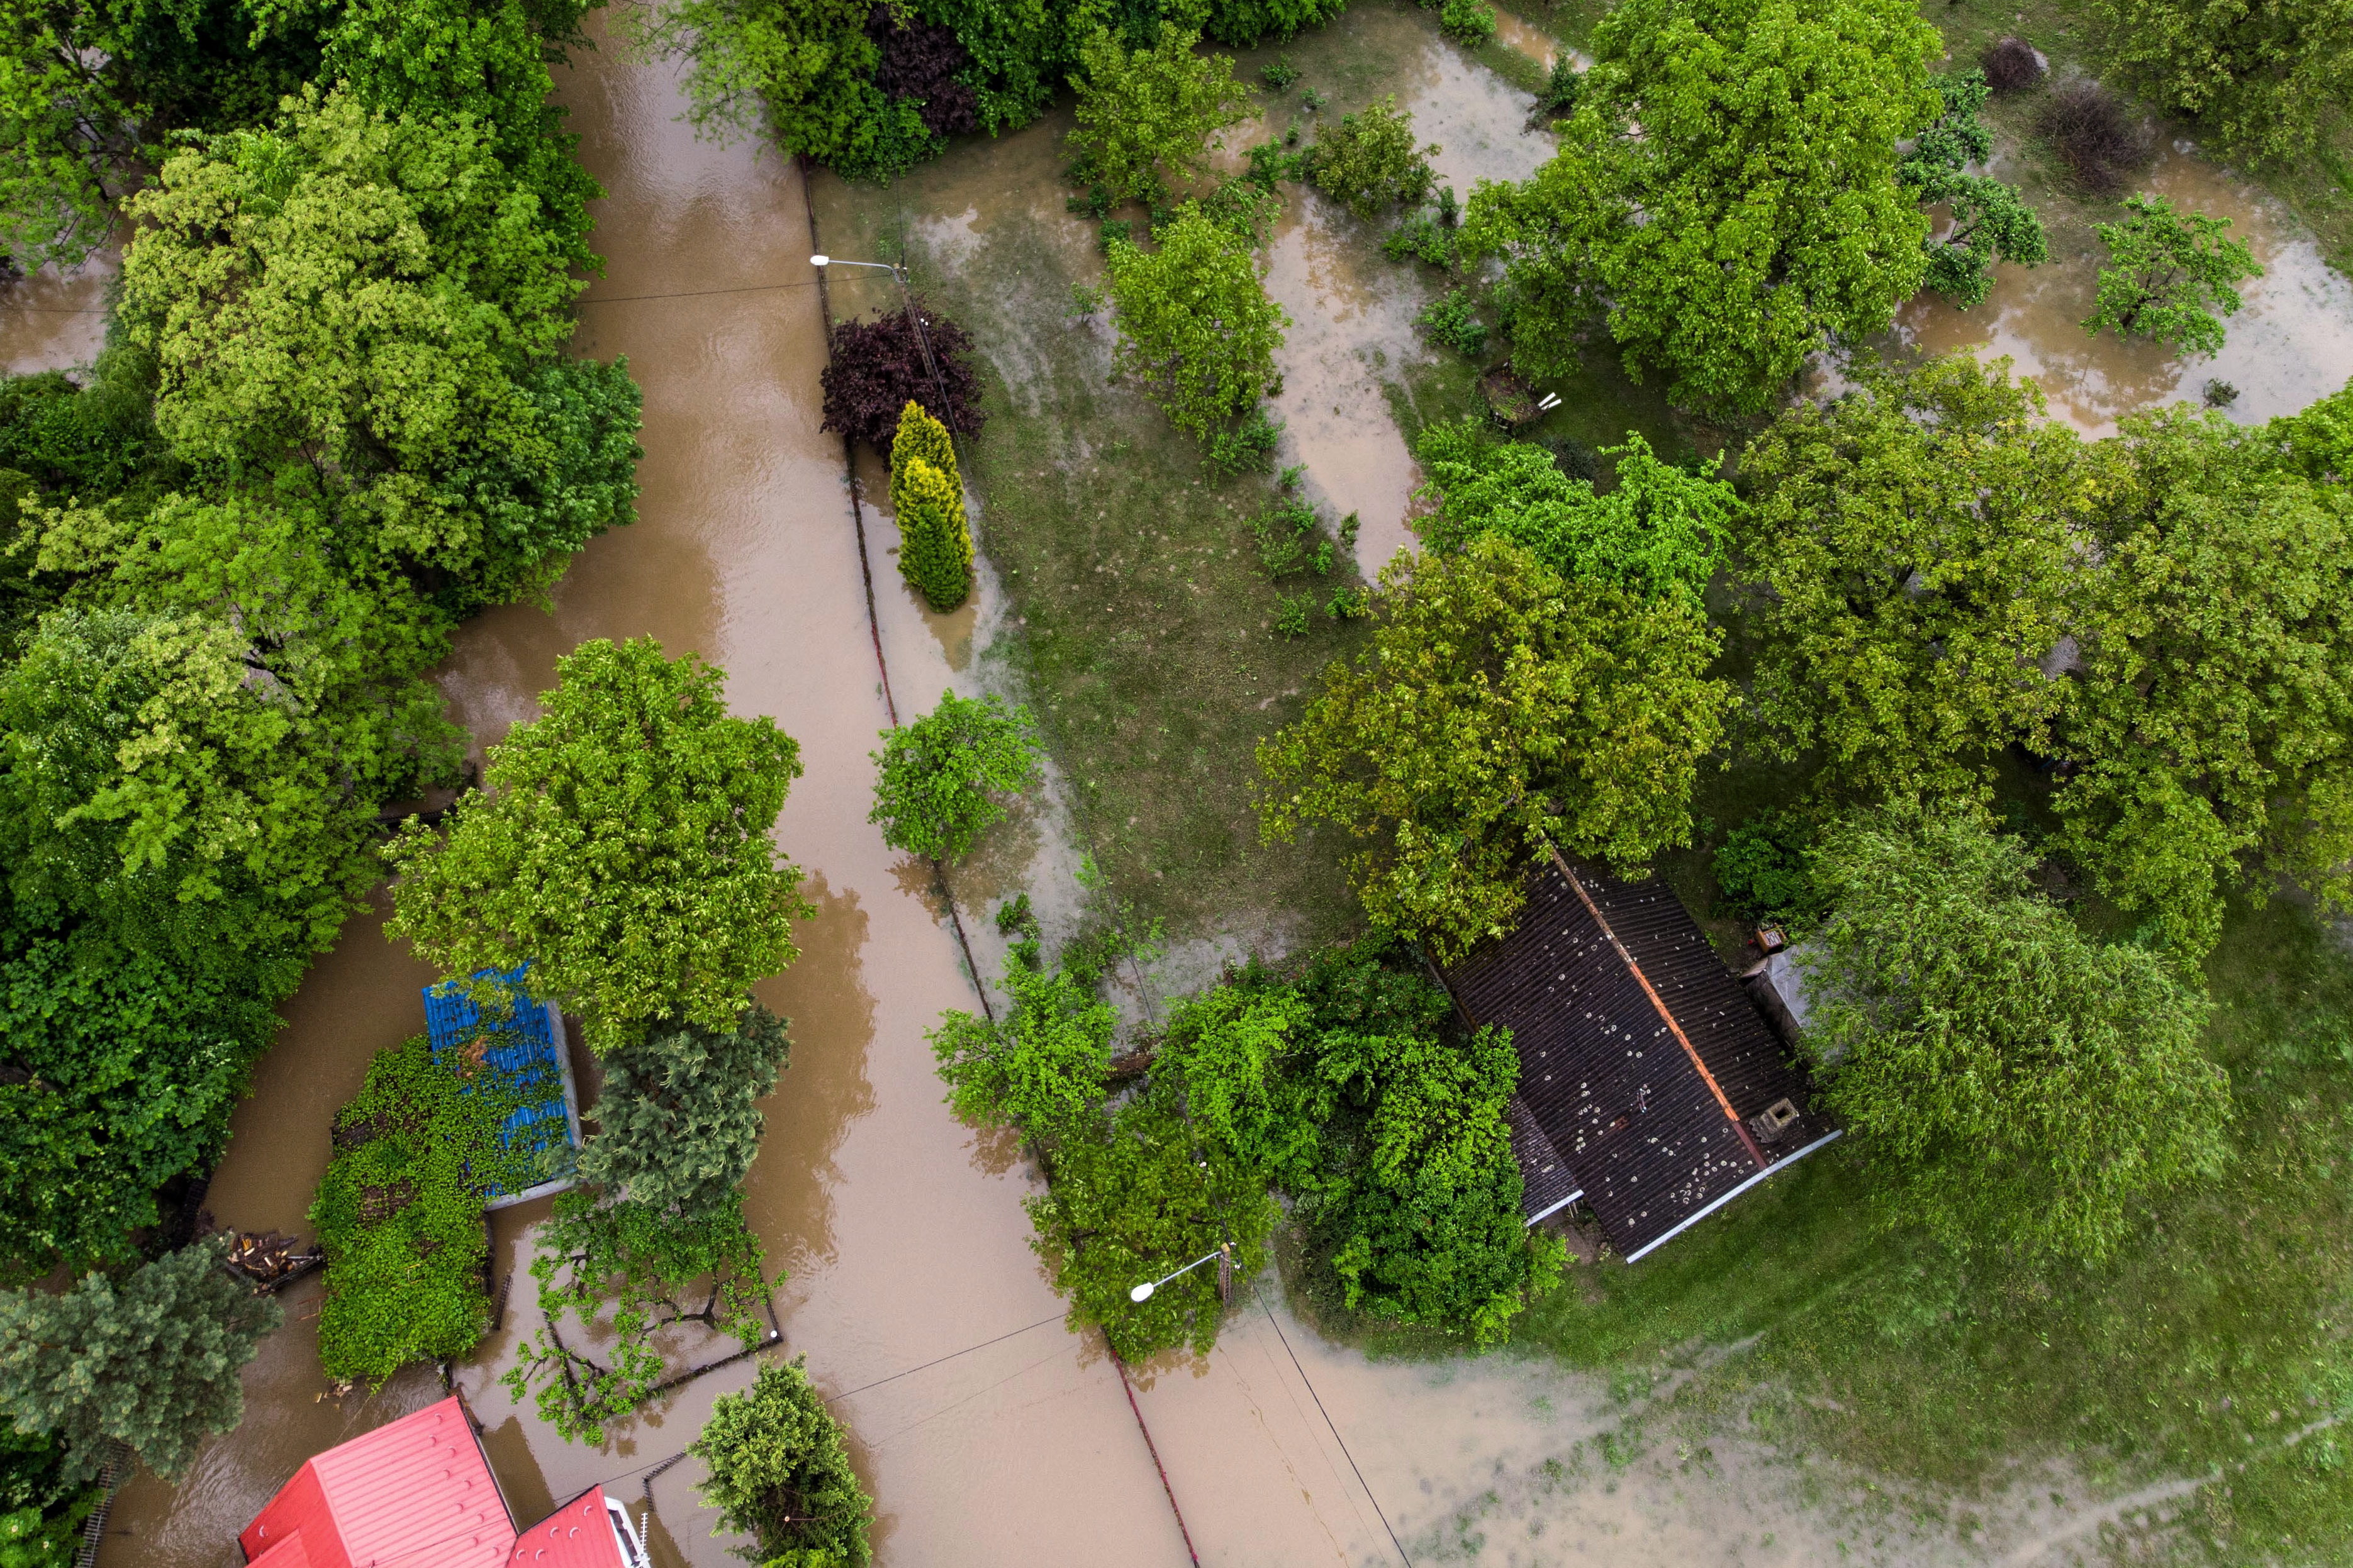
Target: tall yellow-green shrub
x=927, y=495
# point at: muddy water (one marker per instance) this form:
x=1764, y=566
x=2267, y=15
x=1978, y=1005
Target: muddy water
x=56, y=319
x=1352, y=310
x=903, y=1236
x=2291, y=342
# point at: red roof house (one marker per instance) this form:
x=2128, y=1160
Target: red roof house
x=418, y=1493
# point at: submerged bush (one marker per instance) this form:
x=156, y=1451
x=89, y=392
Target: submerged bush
x=1368, y=161
x=2102, y=143
x=779, y=1472
x=1469, y=22
x=1450, y=320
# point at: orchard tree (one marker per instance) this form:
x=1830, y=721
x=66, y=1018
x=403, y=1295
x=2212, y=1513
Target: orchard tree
x=927, y=498
x=622, y=849
x=1368, y=161
x=1724, y=196
x=150, y=1361
x=2265, y=76
x=2168, y=275
x=942, y=776
x=778, y=1472
x=1990, y=222
x=1660, y=531
x=1911, y=557
x=1498, y=708
x=1148, y=117
x=2213, y=723
x=1195, y=324
x=679, y=1121
x=2019, y=1088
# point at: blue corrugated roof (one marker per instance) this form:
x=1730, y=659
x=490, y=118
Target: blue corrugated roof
x=520, y=1048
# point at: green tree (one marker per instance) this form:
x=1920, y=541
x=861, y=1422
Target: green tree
x=1195, y=324
x=122, y=1069
x=1724, y=195
x=626, y=1273
x=1990, y=222
x=1660, y=533
x=41, y=1513
x=778, y=1472
x=1498, y=708
x=2169, y=274
x=941, y=776
x=150, y=1361
x=2213, y=722
x=91, y=91
x=2019, y=1087
x=623, y=849
x=374, y=305
x=678, y=1119
x=2265, y=76
x=1134, y=1195
x=801, y=71
x=927, y=498
x=1148, y=117
x=1368, y=161
x=155, y=779
x=1912, y=561
x=1040, y=1067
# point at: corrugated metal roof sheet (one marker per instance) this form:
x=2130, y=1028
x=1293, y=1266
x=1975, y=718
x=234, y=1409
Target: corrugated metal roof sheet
x=287, y=1553
x=1604, y=1077
x=415, y=1493
x=525, y=1049
x=578, y=1535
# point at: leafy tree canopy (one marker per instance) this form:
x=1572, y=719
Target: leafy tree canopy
x=1911, y=551
x=2265, y=77
x=778, y=1472
x=1195, y=324
x=118, y=1072
x=1990, y=222
x=2023, y=1088
x=1660, y=533
x=150, y=1360
x=622, y=849
x=2168, y=275
x=1498, y=707
x=419, y=386
x=1040, y=1067
x=1368, y=161
x=877, y=368
x=1724, y=195
x=679, y=1121
x=1148, y=117
x=942, y=775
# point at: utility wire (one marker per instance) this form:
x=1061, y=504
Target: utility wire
x=1334, y=1430
x=693, y=293
x=943, y=1360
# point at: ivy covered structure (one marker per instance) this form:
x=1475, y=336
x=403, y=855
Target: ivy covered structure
x=1650, y=1086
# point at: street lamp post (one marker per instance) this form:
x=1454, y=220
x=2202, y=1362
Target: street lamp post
x=923, y=339
x=1144, y=1292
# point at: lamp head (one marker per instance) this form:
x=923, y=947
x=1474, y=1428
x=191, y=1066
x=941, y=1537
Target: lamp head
x=1141, y=1293
x=819, y=261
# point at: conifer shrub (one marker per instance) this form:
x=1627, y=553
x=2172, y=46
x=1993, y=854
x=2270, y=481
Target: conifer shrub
x=927, y=497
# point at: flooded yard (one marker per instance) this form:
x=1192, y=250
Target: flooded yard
x=987, y=1433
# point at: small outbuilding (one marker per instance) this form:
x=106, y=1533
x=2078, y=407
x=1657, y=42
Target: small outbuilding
x=418, y=1493
x=1650, y=1086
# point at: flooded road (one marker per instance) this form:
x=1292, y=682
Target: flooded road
x=56, y=319
x=906, y=1244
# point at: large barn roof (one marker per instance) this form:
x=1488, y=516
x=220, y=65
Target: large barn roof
x=1649, y=1084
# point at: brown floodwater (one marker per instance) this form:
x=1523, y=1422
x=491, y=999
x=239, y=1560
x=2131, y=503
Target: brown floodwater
x=2290, y=342
x=1352, y=310
x=55, y=318
x=986, y=1432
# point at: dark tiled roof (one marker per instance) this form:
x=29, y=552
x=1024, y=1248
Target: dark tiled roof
x=1607, y=1087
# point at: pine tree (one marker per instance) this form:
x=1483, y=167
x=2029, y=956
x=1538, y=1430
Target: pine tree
x=927, y=494
x=150, y=1360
